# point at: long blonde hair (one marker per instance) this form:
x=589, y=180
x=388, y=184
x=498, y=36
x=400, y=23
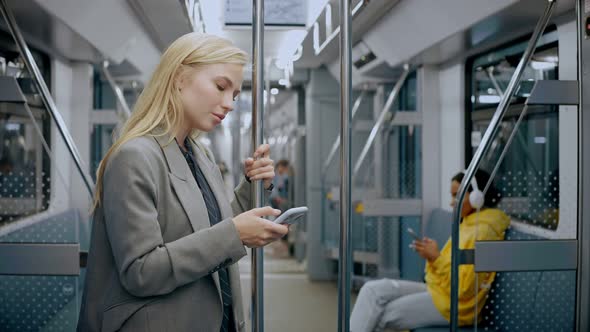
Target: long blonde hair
x=158, y=110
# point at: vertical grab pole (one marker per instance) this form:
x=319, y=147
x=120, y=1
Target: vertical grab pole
x=485, y=144
x=257, y=138
x=117, y=90
x=345, y=261
x=583, y=293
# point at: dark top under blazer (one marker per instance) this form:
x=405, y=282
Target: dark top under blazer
x=214, y=217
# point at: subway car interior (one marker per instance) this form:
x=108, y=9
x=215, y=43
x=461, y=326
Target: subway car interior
x=379, y=114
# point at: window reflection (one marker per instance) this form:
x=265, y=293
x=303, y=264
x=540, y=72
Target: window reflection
x=529, y=174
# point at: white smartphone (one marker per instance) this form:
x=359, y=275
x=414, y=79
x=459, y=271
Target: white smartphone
x=291, y=216
x=413, y=234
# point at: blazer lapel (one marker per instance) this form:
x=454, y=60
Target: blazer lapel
x=214, y=179
x=186, y=189
x=184, y=184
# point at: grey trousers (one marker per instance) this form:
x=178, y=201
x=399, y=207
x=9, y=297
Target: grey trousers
x=394, y=304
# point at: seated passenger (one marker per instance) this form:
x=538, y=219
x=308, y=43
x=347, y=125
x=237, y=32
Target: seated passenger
x=403, y=305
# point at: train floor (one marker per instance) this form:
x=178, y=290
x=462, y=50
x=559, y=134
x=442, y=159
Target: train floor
x=292, y=303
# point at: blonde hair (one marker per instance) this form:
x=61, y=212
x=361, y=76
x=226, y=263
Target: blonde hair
x=158, y=110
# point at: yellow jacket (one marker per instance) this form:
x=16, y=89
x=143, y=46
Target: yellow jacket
x=488, y=224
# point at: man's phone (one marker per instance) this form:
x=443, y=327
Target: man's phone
x=291, y=216
x=413, y=234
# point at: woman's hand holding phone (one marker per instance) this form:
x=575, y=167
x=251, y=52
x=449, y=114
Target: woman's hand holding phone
x=255, y=231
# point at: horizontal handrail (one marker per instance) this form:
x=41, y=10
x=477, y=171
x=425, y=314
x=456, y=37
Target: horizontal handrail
x=336, y=144
x=126, y=111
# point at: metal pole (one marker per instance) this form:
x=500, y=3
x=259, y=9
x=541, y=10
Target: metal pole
x=355, y=11
x=336, y=144
x=46, y=95
x=490, y=72
x=583, y=292
x=257, y=139
x=267, y=110
x=480, y=153
x=345, y=250
x=117, y=90
x=392, y=97
x=505, y=150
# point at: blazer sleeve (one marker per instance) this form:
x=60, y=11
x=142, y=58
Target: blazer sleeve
x=242, y=200
x=146, y=265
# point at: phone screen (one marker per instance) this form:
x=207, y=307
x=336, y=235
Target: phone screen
x=291, y=216
x=413, y=233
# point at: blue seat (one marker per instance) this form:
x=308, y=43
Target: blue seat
x=37, y=303
x=518, y=301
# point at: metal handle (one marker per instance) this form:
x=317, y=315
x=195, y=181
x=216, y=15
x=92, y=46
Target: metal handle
x=336, y=144
x=490, y=72
x=56, y=259
x=117, y=90
x=390, y=100
x=46, y=95
x=481, y=151
x=345, y=250
x=257, y=139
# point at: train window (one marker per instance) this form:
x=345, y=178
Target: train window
x=404, y=154
x=492, y=71
x=407, y=95
x=24, y=166
x=528, y=176
x=101, y=140
x=104, y=98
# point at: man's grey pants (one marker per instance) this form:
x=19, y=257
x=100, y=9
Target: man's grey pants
x=394, y=304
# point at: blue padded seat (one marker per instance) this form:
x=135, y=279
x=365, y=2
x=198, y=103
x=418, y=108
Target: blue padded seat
x=41, y=303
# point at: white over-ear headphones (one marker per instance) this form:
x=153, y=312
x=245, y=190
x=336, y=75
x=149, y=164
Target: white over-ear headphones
x=476, y=197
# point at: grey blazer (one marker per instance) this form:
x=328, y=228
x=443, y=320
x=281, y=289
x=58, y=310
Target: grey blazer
x=154, y=257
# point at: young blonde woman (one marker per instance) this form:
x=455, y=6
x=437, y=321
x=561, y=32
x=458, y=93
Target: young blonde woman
x=165, y=237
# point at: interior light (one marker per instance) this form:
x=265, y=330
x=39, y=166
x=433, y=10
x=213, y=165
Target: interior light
x=540, y=140
x=487, y=99
x=274, y=91
x=543, y=65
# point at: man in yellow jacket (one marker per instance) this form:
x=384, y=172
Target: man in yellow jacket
x=404, y=305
